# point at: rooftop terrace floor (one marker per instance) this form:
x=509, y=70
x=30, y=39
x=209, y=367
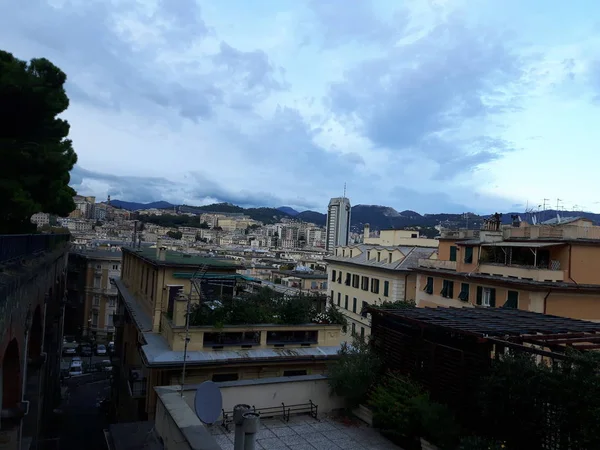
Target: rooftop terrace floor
x=306, y=433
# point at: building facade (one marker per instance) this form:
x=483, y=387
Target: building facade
x=92, y=294
x=154, y=289
x=363, y=275
x=550, y=268
x=338, y=223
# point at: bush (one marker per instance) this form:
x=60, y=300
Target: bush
x=356, y=370
x=479, y=443
x=437, y=423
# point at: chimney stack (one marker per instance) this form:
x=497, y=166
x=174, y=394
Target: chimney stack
x=367, y=231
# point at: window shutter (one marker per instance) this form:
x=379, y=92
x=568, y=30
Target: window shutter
x=453, y=253
x=479, y=294
x=492, y=297
x=450, y=289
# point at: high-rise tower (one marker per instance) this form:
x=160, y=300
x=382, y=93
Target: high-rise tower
x=338, y=223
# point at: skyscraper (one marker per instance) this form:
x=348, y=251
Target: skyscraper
x=338, y=223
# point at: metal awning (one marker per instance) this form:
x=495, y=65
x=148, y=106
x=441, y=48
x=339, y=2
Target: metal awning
x=521, y=244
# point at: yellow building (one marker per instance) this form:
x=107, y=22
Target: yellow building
x=409, y=238
x=92, y=296
x=551, y=268
x=364, y=275
x=151, y=336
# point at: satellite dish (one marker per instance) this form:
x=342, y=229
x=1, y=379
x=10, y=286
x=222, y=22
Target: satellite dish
x=208, y=402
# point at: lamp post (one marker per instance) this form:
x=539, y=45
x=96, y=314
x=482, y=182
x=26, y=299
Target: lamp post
x=89, y=343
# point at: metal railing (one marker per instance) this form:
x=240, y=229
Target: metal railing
x=15, y=246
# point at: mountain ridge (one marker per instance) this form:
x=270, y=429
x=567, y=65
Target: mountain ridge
x=379, y=217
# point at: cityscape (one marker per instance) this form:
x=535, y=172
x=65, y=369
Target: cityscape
x=196, y=247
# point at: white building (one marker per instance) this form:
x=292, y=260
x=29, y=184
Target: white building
x=338, y=223
x=40, y=219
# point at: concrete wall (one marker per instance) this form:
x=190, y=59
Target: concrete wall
x=272, y=392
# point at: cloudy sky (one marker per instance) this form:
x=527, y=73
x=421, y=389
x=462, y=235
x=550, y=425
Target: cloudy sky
x=435, y=106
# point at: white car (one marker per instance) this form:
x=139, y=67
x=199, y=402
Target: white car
x=76, y=368
x=101, y=350
x=106, y=365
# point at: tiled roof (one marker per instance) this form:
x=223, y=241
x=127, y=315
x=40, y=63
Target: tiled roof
x=410, y=260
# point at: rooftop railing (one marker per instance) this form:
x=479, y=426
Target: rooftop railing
x=15, y=246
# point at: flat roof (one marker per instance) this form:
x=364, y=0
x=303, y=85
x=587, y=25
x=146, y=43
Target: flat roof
x=521, y=244
x=180, y=259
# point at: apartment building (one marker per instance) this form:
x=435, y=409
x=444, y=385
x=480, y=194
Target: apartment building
x=551, y=268
x=339, y=214
x=92, y=297
x=40, y=219
x=151, y=340
x=363, y=275
x=394, y=237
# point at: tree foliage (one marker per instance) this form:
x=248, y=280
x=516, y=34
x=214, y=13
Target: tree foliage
x=353, y=374
x=35, y=152
x=175, y=234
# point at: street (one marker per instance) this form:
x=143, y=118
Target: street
x=83, y=421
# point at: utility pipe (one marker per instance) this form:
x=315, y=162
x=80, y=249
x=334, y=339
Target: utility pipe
x=238, y=419
x=251, y=426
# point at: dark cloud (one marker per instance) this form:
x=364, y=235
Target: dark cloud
x=418, y=97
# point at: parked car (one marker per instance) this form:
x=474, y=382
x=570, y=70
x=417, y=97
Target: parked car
x=76, y=368
x=85, y=350
x=111, y=347
x=106, y=365
x=69, y=348
x=101, y=350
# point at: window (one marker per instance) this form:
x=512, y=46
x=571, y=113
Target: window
x=486, y=296
x=346, y=301
x=348, y=279
x=98, y=266
x=414, y=235
x=429, y=286
x=362, y=332
x=389, y=258
x=222, y=377
x=95, y=318
x=368, y=255
x=354, y=304
x=115, y=267
x=375, y=285
x=447, y=289
x=353, y=328
x=339, y=279
x=109, y=320
x=332, y=295
x=364, y=283
x=355, y=281
x=378, y=256
x=363, y=311
x=464, y=292
x=111, y=302
x=97, y=282
x=386, y=288
x=453, y=253
x=96, y=300
x=294, y=373
x=468, y=255
x=333, y=273
x=339, y=298
x=512, y=300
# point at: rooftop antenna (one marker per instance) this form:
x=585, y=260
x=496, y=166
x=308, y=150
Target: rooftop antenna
x=466, y=216
x=558, y=202
x=198, y=275
x=344, y=190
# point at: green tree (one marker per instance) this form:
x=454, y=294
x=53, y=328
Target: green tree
x=35, y=152
x=175, y=234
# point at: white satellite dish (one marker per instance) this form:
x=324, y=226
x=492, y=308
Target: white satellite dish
x=208, y=402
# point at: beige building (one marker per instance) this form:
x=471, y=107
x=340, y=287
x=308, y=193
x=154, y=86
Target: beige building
x=398, y=237
x=90, y=287
x=153, y=298
x=551, y=268
x=364, y=275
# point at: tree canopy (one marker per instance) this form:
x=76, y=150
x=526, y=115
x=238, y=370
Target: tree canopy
x=35, y=152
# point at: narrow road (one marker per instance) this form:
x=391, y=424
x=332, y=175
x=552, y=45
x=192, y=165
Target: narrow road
x=83, y=420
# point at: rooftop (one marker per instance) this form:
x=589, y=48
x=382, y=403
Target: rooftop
x=410, y=260
x=180, y=259
x=304, y=275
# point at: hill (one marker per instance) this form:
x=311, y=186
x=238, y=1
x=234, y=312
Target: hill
x=288, y=210
x=134, y=206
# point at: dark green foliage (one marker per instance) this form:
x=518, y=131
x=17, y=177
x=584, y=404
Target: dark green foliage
x=265, y=306
x=36, y=156
x=400, y=304
x=524, y=402
x=355, y=372
x=172, y=221
x=479, y=443
x=437, y=423
x=175, y=234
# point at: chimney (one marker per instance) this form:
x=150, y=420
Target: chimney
x=367, y=231
x=162, y=253
x=158, y=246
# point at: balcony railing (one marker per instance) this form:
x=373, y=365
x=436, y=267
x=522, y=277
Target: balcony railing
x=552, y=232
x=15, y=246
x=527, y=273
x=437, y=264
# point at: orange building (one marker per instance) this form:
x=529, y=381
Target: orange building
x=552, y=268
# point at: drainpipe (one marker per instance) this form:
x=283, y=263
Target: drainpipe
x=251, y=426
x=545, y=298
x=405, y=284
x=238, y=419
x=570, y=278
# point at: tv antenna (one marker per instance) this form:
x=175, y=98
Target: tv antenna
x=208, y=403
x=344, y=190
x=198, y=275
x=558, y=202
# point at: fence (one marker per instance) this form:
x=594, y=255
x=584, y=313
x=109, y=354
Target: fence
x=15, y=246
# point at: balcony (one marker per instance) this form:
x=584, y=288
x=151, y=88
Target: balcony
x=437, y=264
x=527, y=273
x=552, y=232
